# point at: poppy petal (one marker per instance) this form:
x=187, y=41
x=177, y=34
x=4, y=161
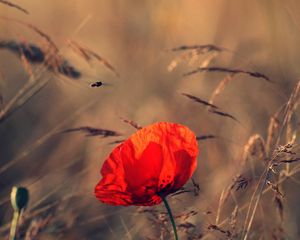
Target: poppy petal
x=185, y=166
x=159, y=158
x=144, y=171
x=112, y=188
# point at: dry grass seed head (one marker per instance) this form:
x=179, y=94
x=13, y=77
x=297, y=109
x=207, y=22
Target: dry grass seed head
x=240, y=182
x=279, y=206
x=34, y=29
x=210, y=107
x=213, y=227
x=233, y=219
x=13, y=5
x=88, y=55
x=223, y=114
x=202, y=48
x=221, y=86
x=199, y=100
x=131, y=123
x=192, y=54
x=205, y=137
x=228, y=70
x=292, y=107
x=254, y=148
x=37, y=225
x=273, y=131
x=91, y=132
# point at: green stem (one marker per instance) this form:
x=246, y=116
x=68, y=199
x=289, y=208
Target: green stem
x=170, y=215
x=14, y=225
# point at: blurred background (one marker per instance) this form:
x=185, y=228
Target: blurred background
x=136, y=37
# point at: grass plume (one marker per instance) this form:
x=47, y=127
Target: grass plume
x=228, y=70
x=92, y=132
x=13, y=5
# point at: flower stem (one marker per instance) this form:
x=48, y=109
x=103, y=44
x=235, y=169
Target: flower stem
x=14, y=226
x=170, y=215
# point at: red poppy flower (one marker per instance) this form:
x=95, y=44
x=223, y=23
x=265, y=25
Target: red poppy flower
x=155, y=161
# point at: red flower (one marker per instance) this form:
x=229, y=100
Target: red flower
x=158, y=159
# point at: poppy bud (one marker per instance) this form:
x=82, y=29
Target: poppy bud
x=19, y=198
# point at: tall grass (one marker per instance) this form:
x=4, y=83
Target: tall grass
x=63, y=107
